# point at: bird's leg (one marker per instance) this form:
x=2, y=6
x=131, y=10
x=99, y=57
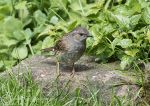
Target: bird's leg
x=58, y=68
x=73, y=70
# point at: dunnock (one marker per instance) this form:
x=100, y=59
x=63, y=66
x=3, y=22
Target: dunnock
x=71, y=47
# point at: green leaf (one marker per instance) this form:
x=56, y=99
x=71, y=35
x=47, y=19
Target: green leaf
x=9, y=63
x=20, y=52
x=146, y=15
x=125, y=43
x=59, y=4
x=72, y=25
x=37, y=48
x=12, y=24
x=40, y=17
x=75, y=5
x=89, y=44
x=134, y=5
x=132, y=52
x=101, y=49
x=116, y=34
x=122, y=21
x=115, y=42
x=49, y=30
x=5, y=42
x=39, y=29
x=122, y=10
x=17, y=35
x=28, y=33
x=107, y=29
x=48, y=42
x=21, y=5
x=97, y=35
x=134, y=20
x=125, y=60
x=23, y=11
x=143, y=3
x=5, y=8
x=54, y=20
x=92, y=9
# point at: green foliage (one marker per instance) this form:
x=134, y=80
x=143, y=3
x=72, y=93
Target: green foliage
x=25, y=92
x=120, y=29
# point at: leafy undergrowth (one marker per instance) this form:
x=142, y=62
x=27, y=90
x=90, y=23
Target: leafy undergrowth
x=120, y=28
x=25, y=92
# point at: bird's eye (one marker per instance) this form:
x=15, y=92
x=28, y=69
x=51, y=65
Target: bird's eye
x=82, y=34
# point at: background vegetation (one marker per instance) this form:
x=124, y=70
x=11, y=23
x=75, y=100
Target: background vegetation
x=120, y=28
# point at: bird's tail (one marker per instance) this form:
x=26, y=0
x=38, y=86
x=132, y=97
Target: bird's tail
x=48, y=49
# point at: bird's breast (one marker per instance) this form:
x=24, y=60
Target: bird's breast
x=73, y=54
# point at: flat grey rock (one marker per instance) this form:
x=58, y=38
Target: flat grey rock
x=102, y=77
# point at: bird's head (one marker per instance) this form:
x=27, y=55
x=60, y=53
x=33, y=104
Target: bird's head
x=80, y=34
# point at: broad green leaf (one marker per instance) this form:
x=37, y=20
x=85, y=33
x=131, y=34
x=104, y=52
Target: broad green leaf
x=54, y=20
x=5, y=9
x=37, y=48
x=81, y=20
x=146, y=15
x=49, y=30
x=5, y=42
x=9, y=63
x=75, y=6
x=95, y=31
x=28, y=33
x=21, y=5
x=132, y=52
x=122, y=10
x=125, y=61
x=134, y=20
x=72, y=25
x=48, y=42
x=24, y=15
x=122, y=21
x=92, y=9
x=89, y=44
x=107, y=53
x=134, y=5
x=39, y=29
x=125, y=43
x=12, y=24
x=102, y=47
x=143, y=3
x=107, y=29
x=20, y=52
x=115, y=42
x=61, y=4
x=116, y=34
x=18, y=35
x=40, y=17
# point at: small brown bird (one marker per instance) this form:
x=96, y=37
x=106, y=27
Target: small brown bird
x=71, y=47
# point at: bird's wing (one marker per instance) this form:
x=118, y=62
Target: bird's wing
x=61, y=45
